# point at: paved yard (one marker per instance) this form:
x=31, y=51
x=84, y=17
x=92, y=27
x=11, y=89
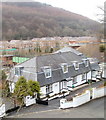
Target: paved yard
x=93, y=109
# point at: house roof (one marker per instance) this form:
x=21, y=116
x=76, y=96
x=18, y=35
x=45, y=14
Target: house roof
x=54, y=60
x=58, y=75
x=33, y=67
x=95, y=66
x=67, y=49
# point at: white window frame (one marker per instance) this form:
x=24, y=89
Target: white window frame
x=18, y=70
x=75, y=80
x=76, y=65
x=86, y=62
x=49, y=88
x=64, y=84
x=83, y=76
x=63, y=65
x=47, y=72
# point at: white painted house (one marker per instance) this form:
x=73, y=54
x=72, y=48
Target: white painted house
x=58, y=72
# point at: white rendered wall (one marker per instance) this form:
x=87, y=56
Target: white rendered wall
x=98, y=92
x=43, y=90
x=2, y=110
x=28, y=100
x=88, y=75
x=79, y=100
x=56, y=88
x=94, y=74
x=12, y=86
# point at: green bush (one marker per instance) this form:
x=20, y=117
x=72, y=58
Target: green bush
x=102, y=48
x=105, y=83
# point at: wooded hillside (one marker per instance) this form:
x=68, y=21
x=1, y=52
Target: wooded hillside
x=26, y=20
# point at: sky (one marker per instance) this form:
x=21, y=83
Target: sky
x=88, y=8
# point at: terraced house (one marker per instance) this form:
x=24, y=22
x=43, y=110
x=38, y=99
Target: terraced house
x=57, y=72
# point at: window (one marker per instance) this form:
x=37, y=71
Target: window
x=75, y=80
x=76, y=65
x=83, y=77
x=18, y=71
x=47, y=71
x=86, y=62
x=64, y=67
x=64, y=84
x=49, y=88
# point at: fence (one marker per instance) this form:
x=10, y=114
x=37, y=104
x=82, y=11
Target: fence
x=28, y=100
x=77, y=101
x=98, y=92
x=83, y=98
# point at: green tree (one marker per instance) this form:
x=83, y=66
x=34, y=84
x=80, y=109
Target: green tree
x=38, y=49
x=51, y=50
x=102, y=48
x=21, y=89
x=33, y=87
x=24, y=88
x=57, y=46
x=47, y=49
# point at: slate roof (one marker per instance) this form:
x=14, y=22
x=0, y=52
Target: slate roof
x=95, y=66
x=33, y=67
x=54, y=60
x=58, y=75
x=69, y=49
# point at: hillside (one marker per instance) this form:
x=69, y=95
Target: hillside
x=25, y=20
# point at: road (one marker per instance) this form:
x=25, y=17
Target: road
x=93, y=109
x=52, y=108
x=53, y=104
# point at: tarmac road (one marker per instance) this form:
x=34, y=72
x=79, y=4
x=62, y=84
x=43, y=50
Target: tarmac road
x=92, y=109
x=53, y=104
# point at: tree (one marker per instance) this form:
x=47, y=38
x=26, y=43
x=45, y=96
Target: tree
x=38, y=49
x=47, y=48
x=5, y=84
x=51, y=50
x=6, y=90
x=3, y=75
x=102, y=48
x=57, y=46
x=21, y=89
x=33, y=87
x=24, y=88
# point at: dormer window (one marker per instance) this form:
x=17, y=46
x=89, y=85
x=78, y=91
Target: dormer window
x=76, y=65
x=47, y=71
x=64, y=67
x=86, y=62
x=18, y=70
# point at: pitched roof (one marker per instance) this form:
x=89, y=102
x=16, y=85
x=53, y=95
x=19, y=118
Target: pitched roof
x=54, y=60
x=33, y=67
x=58, y=75
x=69, y=49
x=95, y=66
